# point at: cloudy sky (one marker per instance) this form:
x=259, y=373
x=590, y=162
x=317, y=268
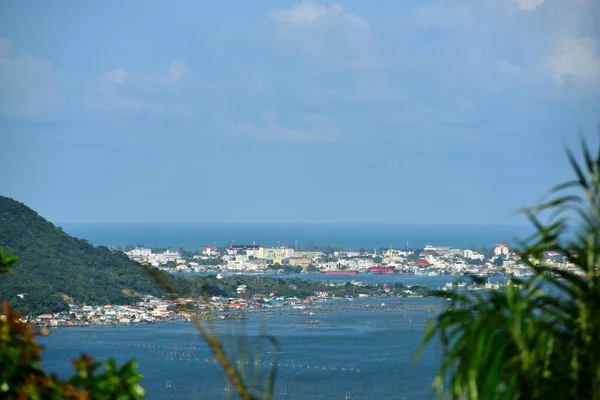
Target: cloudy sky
x=448, y=111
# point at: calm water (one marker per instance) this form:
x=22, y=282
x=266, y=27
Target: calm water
x=365, y=353
x=347, y=236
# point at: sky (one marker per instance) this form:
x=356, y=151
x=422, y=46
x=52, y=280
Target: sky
x=441, y=111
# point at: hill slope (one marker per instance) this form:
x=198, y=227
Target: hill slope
x=52, y=263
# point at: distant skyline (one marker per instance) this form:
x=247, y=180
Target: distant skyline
x=433, y=112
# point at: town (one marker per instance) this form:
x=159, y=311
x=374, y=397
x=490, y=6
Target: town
x=272, y=295
x=431, y=260
x=241, y=260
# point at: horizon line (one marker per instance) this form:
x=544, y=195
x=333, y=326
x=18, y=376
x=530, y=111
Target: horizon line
x=290, y=223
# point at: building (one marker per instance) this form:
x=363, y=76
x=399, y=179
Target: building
x=235, y=249
x=472, y=255
x=278, y=252
x=271, y=253
x=308, y=253
x=303, y=262
x=421, y=262
x=171, y=255
x=501, y=249
x=209, y=251
x=394, y=254
x=139, y=252
x=346, y=254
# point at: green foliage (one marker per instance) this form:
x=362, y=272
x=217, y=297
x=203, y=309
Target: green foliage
x=107, y=380
x=53, y=266
x=6, y=261
x=286, y=287
x=538, y=340
x=312, y=268
x=414, y=256
x=209, y=261
x=22, y=375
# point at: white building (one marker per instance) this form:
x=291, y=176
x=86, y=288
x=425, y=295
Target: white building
x=472, y=255
x=209, y=251
x=271, y=252
x=346, y=254
x=171, y=255
x=501, y=249
x=139, y=252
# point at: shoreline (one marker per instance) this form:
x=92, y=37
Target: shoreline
x=391, y=304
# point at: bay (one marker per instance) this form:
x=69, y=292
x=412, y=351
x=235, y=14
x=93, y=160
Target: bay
x=355, y=353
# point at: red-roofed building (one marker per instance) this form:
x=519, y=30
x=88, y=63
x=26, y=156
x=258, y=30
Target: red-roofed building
x=421, y=262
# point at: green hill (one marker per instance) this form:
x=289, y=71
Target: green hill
x=53, y=265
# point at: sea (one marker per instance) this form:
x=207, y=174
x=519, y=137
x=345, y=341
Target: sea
x=192, y=236
x=354, y=353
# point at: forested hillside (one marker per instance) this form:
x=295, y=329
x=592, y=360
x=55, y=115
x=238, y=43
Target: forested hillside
x=52, y=263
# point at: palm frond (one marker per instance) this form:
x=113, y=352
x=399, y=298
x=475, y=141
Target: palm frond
x=537, y=339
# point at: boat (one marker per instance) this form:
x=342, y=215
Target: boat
x=340, y=272
x=380, y=270
x=308, y=322
x=432, y=273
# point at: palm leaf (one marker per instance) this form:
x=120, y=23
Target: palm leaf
x=539, y=340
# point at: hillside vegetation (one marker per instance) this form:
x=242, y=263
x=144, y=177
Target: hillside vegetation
x=53, y=264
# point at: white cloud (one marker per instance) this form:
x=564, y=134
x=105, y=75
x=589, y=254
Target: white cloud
x=115, y=77
x=120, y=90
x=308, y=12
x=176, y=71
x=326, y=35
x=313, y=128
x=528, y=5
x=112, y=97
x=575, y=58
x=29, y=87
x=540, y=44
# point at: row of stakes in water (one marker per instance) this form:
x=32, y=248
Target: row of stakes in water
x=173, y=353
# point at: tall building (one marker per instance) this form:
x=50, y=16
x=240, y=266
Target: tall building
x=501, y=249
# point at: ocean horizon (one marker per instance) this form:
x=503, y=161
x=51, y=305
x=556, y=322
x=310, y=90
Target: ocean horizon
x=348, y=236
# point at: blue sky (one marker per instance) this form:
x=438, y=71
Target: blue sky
x=444, y=111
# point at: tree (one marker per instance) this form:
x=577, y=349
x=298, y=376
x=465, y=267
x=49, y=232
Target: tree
x=22, y=375
x=312, y=268
x=538, y=339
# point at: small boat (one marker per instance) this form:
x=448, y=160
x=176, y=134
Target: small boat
x=308, y=322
